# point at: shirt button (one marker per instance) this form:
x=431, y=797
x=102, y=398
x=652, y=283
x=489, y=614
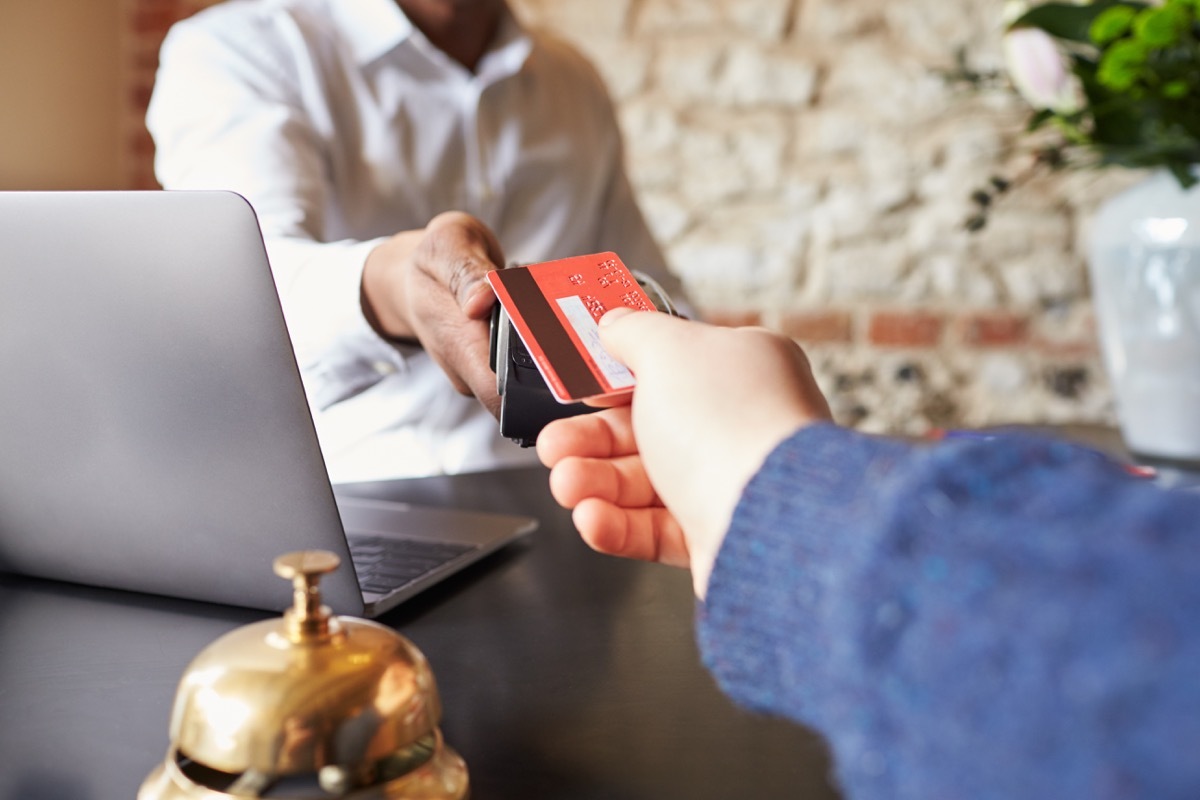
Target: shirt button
x=384, y=368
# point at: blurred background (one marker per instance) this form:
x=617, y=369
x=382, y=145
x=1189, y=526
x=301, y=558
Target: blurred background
x=809, y=166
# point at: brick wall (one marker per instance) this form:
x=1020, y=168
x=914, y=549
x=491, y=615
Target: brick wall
x=146, y=23
x=809, y=167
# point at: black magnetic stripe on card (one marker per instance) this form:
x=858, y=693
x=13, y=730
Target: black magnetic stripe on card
x=549, y=333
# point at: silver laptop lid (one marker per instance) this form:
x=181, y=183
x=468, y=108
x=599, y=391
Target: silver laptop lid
x=154, y=433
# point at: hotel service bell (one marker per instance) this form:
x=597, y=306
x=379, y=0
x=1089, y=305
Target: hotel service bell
x=309, y=705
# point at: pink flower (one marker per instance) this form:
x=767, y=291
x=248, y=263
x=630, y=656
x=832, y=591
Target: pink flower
x=1039, y=71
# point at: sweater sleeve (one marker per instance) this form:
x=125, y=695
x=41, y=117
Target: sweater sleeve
x=987, y=619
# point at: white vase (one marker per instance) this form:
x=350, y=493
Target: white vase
x=1144, y=262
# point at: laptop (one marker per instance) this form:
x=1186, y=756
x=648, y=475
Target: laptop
x=154, y=432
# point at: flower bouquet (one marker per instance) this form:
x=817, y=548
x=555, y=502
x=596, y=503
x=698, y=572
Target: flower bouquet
x=1119, y=81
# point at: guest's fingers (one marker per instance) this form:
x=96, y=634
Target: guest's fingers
x=603, y=434
x=646, y=534
x=621, y=481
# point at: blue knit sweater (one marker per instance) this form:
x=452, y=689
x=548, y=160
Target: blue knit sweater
x=1013, y=618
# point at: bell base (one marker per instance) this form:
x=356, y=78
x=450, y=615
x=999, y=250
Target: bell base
x=442, y=777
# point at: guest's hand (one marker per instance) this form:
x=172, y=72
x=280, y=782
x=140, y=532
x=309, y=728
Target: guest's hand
x=429, y=286
x=659, y=479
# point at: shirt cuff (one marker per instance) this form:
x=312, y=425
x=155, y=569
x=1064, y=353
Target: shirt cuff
x=320, y=290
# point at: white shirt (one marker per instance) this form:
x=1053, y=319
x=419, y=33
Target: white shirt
x=342, y=124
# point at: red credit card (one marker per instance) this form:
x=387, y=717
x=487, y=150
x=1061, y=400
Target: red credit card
x=554, y=307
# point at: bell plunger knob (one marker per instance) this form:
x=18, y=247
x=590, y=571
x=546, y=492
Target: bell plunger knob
x=307, y=620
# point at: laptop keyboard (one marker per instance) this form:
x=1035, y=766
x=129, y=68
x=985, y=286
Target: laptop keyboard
x=385, y=564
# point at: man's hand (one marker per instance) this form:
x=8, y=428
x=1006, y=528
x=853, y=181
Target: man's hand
x=660, y=479
x=429, y=286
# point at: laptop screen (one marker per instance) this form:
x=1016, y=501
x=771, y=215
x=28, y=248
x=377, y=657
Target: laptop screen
x=154, y=433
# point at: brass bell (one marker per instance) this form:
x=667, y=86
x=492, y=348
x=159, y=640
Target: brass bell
x=308, y=706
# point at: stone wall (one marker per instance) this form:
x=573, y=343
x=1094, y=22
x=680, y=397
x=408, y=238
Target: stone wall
x=809, y=166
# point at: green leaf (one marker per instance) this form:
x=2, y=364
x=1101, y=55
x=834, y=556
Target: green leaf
x=1159, y=27
x=1118, y=123
x=1039, y=119
x=1067, y=20
x=1175, y=90
x=1113, y=23
x=1121, y=64
x=1183, y=173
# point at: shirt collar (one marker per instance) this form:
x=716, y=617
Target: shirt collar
x=375, y=27
x=371, y=27
x=508, y=52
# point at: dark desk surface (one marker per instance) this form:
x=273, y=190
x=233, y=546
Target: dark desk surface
x=564, y=674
